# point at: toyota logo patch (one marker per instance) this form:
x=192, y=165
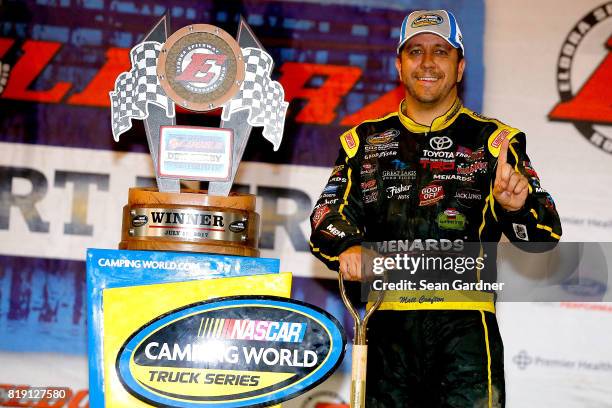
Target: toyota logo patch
x=440, y=142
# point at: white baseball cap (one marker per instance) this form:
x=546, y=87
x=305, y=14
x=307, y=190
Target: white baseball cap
x=439, y=22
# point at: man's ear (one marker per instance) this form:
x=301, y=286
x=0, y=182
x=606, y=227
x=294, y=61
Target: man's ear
x=460, y=69
x=398, y=66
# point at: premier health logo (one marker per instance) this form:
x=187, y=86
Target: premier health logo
x=523, y=360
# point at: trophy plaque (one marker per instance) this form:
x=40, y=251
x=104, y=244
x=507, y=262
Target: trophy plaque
x=200, y=68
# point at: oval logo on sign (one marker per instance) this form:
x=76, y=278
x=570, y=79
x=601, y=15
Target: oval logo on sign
x=139, y=220
x=584, y=287
x=242, y=351
x=237, y=226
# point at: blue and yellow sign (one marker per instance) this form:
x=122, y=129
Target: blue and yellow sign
x=238, y=351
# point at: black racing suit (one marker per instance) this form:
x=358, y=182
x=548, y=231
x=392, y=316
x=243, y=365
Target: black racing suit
x=396, y=180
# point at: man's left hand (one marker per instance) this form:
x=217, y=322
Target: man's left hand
x=511, y=188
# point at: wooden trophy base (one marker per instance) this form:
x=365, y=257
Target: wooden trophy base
x=191, y=221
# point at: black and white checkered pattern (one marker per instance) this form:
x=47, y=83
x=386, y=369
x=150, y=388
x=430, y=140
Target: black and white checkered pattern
x=263, y=97
x=136, y=88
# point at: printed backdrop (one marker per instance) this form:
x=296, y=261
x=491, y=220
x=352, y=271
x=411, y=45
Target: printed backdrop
x=544, y=67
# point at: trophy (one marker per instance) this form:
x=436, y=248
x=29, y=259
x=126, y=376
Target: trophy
x=200, y=68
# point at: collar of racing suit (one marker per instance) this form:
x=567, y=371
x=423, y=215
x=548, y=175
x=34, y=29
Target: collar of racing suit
x=438, y=123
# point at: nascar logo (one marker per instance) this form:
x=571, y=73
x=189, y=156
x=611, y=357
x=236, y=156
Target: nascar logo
x=259, y=330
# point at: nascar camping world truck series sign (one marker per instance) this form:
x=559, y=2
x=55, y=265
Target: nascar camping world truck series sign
x=231, y=352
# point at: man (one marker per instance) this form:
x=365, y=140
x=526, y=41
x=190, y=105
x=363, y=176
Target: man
x=433, y=171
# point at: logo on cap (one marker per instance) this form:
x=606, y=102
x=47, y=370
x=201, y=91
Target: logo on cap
x=427, y=20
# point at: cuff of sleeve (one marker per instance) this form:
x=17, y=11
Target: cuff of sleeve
x=512, y=215
x=347, y=243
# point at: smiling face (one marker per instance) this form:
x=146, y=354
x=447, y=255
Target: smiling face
x=429, y=67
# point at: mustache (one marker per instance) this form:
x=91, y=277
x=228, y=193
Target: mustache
x=430, y=74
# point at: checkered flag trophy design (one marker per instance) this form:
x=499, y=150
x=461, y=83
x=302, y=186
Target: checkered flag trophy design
x=260, y=101
x=135, y=89
x=263, y=97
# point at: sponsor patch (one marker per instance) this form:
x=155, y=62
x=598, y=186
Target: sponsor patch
x=438, y=155
x=350, y=141
x=336, y=171
x=399, y=174
x=399, y=165
x=540, y=190
x=382, y=138
x=370, y=198
x=431, y=194
x=399, y=192
x=368, y=168
x=332, y=201
x=335, y=231
x=468, y=197
x=529, y=170
x=368, y=185
x=438, y=164
x=380, y=155
x=478, y=155
x=463, y=152
x=457, y=177
x=499, y=139
x=520, y=230
x=476, y=167
x=535, y=182
x=387, y=146
x=440, y=142
x=330, y=189
x=451, y=219
x=319, y=215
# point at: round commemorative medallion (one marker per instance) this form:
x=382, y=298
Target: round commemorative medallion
x=200, y=67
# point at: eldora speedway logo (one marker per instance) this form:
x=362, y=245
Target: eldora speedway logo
x=590, y=108
x=200, y=67
x=240, y=351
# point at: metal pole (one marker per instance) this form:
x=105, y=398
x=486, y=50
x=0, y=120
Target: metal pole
x=360, y=348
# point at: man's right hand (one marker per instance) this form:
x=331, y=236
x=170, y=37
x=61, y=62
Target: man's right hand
x=350, y=263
